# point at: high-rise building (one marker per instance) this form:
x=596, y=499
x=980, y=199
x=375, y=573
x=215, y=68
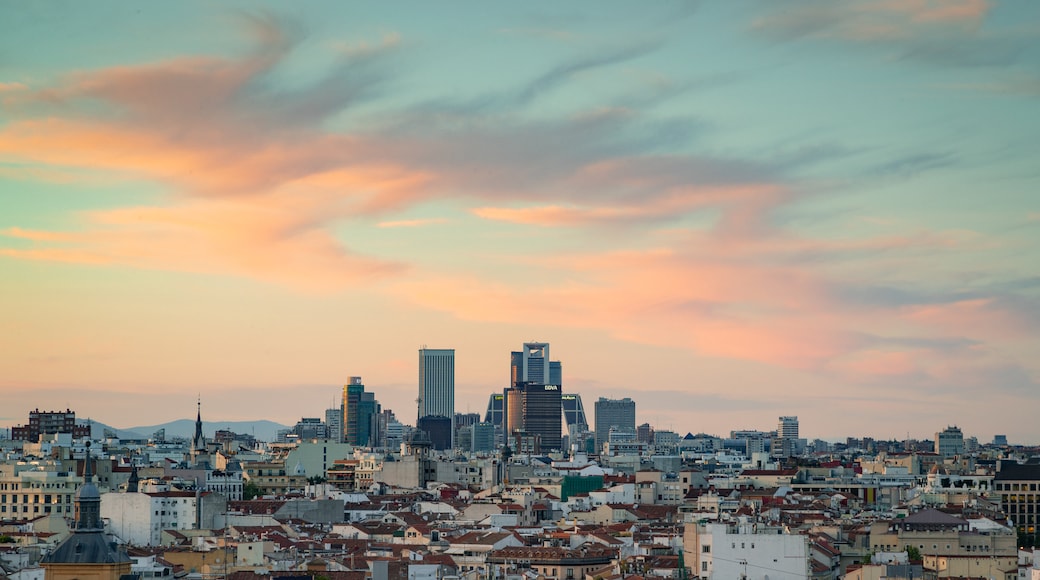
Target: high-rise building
x=368, y=420
x=617, y=413
x=573, y=412
x=437, y=384
x=532, y=365
x=438, y=430
x=351, y=409
x=536, y=410
x=949, y=442
x=787, y=428
x=496, y=407
x=334, y=423
x=482, y=438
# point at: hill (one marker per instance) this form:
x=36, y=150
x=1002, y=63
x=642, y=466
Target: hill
x=263, y=430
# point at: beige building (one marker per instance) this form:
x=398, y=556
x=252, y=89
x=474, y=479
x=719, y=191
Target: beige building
x=934, y=534
x=272, y=478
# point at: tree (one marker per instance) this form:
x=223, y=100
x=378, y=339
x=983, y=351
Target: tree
x=913, y=553
x=250, y=490
x=5, y=539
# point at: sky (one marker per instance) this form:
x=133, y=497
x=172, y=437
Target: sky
x=728, y=211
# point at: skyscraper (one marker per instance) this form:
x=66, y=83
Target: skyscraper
x=352, y=392
x=437, y=384
x=532, y=365
x=535, y=409
x=617, y=413
x=334, y=423
x=787, y=428
x=495, y=409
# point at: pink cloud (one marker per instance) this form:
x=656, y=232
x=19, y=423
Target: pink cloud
x=941, y=11
x=870, y=20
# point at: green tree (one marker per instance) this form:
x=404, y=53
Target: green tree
x=250, y=491
x=913, y=553
x=5, y=539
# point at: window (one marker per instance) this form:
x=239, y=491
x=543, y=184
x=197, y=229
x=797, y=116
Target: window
x=706, y=549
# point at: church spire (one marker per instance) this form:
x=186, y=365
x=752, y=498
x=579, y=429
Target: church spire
x=88, y=500
x=198, y=442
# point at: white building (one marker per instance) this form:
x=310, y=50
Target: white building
x=437, y=384
x=140, y=518
x=725, y=551
x=317, y=456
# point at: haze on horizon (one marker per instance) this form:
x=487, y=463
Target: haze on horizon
x=728, y=211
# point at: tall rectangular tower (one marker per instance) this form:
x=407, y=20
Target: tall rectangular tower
x=352, y=392
x=617, y=413
x=437, y=383
x=532, y=365
x=536, y=363
x=787, y=428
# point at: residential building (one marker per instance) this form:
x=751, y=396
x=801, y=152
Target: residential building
x=747, y=551
x=29, y=490
x=1018, y=486
x=41, y=422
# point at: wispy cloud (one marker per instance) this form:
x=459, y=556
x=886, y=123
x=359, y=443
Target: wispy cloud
x=413, y=223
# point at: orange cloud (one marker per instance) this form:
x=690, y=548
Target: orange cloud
x=261, y=239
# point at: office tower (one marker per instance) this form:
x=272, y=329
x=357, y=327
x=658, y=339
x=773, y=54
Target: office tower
x=334, y=423
x=351, y=402
x=532, y=365
x=535, y=410
x=438, y=429
x=949, y=442
x=555, y=373
x=495, y=409
x=437, y=384
x=462, y=423
x=310, y=428
x=787, y=428
x=368, y=420
x=482, y=439
x=617, y=413
x=573, y=413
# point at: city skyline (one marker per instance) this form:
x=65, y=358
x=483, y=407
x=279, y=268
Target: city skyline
x=729, y=212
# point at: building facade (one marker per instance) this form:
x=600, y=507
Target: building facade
x=535, y=411
x=48, y=422
x=949, y=442
x=437, y=383
x=619, y=414
x=1018, y=485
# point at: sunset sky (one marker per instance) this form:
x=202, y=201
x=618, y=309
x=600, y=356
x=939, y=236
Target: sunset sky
x=728, y=210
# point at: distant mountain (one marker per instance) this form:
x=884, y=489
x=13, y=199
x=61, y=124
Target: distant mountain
x=98, y=430
x=263, y=430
